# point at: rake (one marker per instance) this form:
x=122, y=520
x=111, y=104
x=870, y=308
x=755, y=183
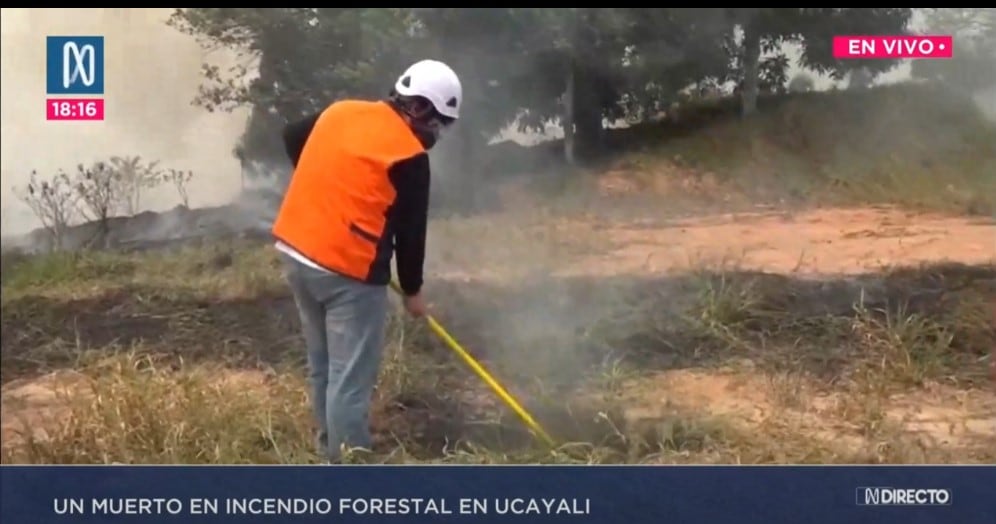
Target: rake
x=483, y=373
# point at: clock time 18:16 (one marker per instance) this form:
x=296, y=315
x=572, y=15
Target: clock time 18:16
x=74, y=109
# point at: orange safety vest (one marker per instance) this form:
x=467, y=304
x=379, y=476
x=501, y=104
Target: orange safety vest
x=335, y=209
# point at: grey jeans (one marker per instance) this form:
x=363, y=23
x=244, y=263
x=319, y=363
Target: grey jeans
x=343, y=323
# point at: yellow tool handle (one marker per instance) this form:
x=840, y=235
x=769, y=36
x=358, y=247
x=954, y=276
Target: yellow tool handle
x=504, y=395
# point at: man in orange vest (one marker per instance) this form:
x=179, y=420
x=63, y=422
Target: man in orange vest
x=359, y=195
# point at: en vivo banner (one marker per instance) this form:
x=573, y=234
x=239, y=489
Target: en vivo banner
x=893, y=47
x=521, y=494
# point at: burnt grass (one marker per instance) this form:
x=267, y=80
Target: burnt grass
x=682, y=316
x=544, y=339
x=42, y=334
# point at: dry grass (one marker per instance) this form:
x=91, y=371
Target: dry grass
x=193, y=355
x=194, y=387
x=907, y=145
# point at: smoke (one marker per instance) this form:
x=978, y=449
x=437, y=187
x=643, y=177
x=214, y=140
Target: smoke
x=986, y=100
x=503, y=277
x=152, y=73
x=503, y=280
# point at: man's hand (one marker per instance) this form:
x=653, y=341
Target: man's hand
x=415, y=305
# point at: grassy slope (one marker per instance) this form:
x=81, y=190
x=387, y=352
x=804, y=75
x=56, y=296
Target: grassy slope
x=196, y=354
x=907, y=145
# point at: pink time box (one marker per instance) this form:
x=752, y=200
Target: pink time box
x=74, y=109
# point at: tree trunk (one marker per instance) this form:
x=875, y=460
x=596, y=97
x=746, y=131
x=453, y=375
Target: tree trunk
x=587, y=116
x=585, y=111
x=752, y=59
x=568, y=116
x=105, y=232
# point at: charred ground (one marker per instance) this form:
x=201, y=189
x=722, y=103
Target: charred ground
x=639, y=324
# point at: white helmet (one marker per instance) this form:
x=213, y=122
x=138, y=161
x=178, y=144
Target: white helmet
x=436, y=82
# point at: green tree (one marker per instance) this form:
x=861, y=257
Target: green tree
x=292, y=61
x=534, y=66
x=614, y=63
x=765, y=30
x=818, y=26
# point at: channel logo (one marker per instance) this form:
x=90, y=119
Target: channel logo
x=888, y=496
x=74, y=65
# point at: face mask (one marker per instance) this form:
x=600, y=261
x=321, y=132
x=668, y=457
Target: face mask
x=427, y=136
x=430, y=132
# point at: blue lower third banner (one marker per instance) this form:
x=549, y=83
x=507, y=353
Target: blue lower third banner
x=514, y=494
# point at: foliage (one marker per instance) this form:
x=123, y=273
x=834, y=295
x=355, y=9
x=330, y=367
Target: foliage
x=525, y=65
x=297, y=58
x=815, y=28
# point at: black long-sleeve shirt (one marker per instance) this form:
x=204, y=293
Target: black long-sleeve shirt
x=408, y=217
